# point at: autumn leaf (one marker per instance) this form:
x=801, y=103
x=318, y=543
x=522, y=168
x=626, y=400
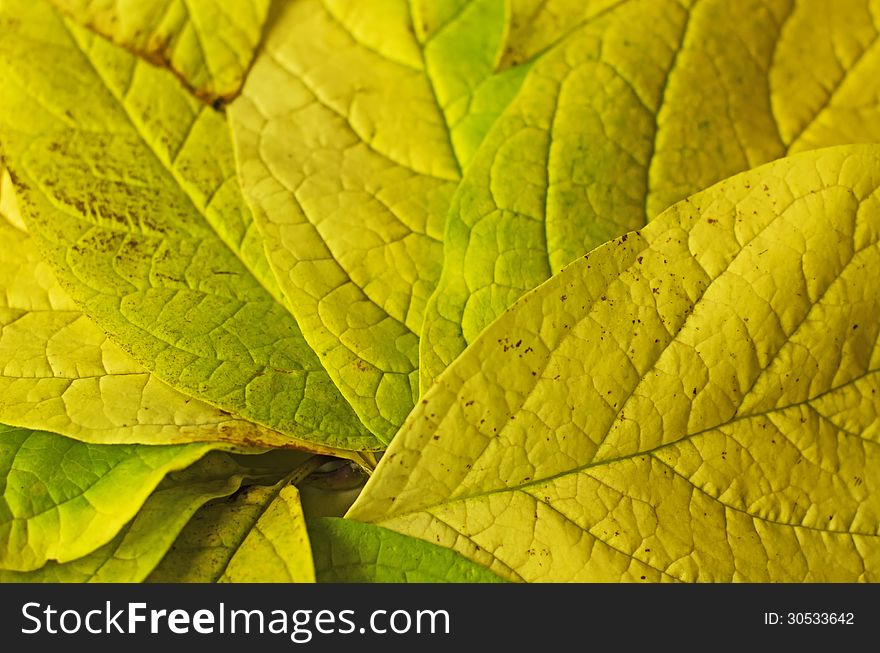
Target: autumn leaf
x=613, y=124
x=695, y=401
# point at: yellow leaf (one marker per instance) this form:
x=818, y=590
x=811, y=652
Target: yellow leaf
x=351, y=133
x=277, y=550
x=128, y=187
x=697, y=401
x=536, y=25
x=615, y=123
x=102, y=490
x=62, y=499
x=208, y=43
x=59, y=371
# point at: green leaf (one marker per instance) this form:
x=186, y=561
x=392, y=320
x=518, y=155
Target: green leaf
x=141, y=544
x=209, y=44
x=128, y=185
x=258, y=535
x=614, y=124
x=60, y=372
x=347, y=551
x=62, y=499
x=460, y=40
x=351, y=133
x=697, y=401
x=277, y=549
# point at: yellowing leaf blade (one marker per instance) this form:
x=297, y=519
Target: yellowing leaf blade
x=257, y=535
x=277, y=549
x=139, y=211
x=350, y=147
x=536, y=25
x=62, y=499
x=60, y=372
x=696, y=401
x=347, y=551
x=612, y=125
x=141, y=544
x=209, y=44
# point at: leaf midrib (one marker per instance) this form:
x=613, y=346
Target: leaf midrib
x=296, y=476
x=648, y=452
x=735, y=418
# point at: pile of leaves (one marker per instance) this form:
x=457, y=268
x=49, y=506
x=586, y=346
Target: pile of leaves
x=586, y=290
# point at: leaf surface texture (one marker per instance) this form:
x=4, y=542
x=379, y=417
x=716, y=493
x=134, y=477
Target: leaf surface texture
x=59, y=371
x=614, y=124
x=352, y=131
x=62, y=499
x=347, y=551
x=209, y=44
x=697, y=401
x=258, y=536
x=128, y=186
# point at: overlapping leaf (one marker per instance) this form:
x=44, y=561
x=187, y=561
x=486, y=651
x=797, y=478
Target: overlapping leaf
x=695, y=401
x=141, y=544
x=351, y=131
x=617, y=122
x=347, y=551
x=60, y=371
x=208, y=43
x=698, y=401
x=536, y=25
x=257, y=535
x=62, y=499
x=8, y=204
x=128, y=185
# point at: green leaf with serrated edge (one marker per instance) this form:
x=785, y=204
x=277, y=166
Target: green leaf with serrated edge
x=697, y=401
x=62, y=498
x=209, y=44
x=60, y=372
x=351, y=132
x=256, y=535
x=614, y=124
x=140, y=545
x=347, y=551
x=127, y=183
